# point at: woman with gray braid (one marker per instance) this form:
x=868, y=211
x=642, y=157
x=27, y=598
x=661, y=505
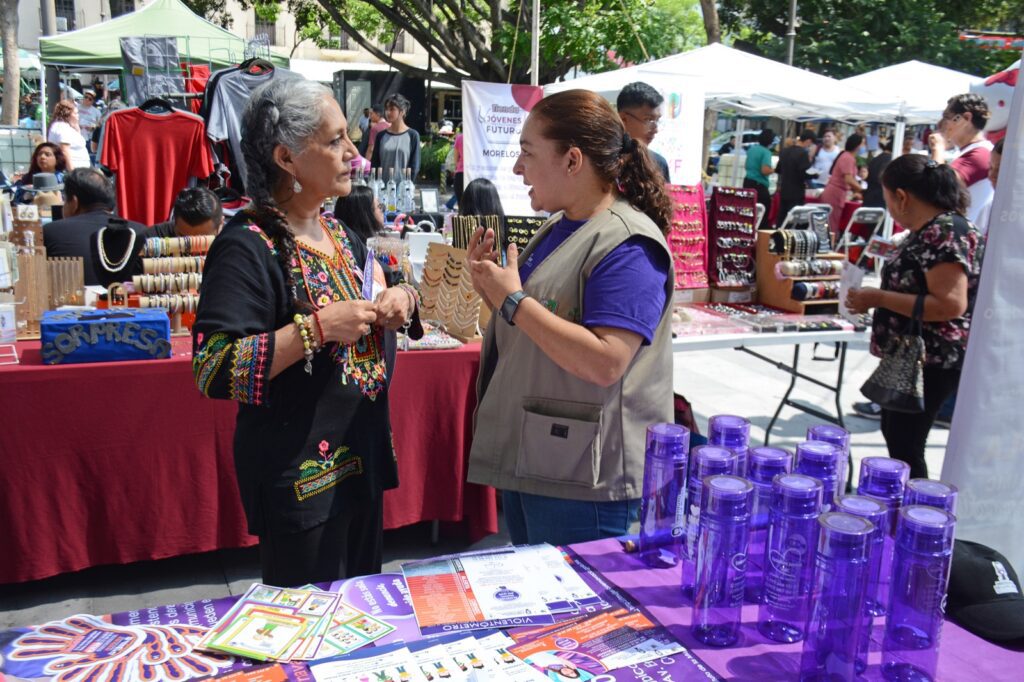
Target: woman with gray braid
x=288, y=329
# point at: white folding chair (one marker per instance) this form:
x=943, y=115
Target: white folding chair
x=801, y=215
x=759, y=216
x=419, y=242
x=864, y=215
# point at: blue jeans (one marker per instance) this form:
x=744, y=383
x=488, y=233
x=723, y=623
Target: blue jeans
x=532, y=519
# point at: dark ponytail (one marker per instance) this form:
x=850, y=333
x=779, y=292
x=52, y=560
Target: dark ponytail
x=584, y=119
x=933, y=183
x=641, y=183
x=287, y=112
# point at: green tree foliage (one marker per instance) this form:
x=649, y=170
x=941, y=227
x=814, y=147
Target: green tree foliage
x=490, y=39
x=842, y=38
x=215, y=11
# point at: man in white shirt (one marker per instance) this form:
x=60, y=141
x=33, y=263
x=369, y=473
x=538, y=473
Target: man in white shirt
x=963, y=124
x=823, y=159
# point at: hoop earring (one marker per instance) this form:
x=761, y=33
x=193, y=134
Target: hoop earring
x=296, y=187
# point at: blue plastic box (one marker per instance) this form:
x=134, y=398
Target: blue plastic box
x=76, y=336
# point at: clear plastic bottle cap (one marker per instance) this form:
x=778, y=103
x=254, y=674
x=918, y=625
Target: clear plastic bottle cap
x=796, y=494
x=882, y=476
x=925, y=529
x=711, y=460
x=765, y=463
x=830, y=433
x=818, y=458
x=924, y=491
x=729, y=429
x=844, y=536
x=865, y=507
x=667, y=441
x=727, y=496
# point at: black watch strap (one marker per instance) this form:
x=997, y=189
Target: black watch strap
x=510, y=305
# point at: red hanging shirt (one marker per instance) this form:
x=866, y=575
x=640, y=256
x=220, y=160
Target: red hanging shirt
x=154, y=155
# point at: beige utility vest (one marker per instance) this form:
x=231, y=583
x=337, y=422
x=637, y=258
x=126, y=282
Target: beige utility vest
x=539, y=429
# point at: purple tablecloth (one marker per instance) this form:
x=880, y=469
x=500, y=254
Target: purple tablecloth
x=962, y=656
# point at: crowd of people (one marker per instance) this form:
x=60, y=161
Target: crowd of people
x=287, y=327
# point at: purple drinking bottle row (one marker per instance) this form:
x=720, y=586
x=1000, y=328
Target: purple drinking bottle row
x=929, y=493
x=837, y=619
x=721, y=559
x=822, y=461
x=876, y=512
x=705, y=460
x=730, y=431
x=883, y=479
x=763, y=465
x=838, y=436
x=663, y=507
x=789, y=557
x=920, y=577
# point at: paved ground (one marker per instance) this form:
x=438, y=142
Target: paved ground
x=723, y=381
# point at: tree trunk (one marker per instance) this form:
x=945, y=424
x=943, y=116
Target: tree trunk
x=714, y=32
x=12, y=68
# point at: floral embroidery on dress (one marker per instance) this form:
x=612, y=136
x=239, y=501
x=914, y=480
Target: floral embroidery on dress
x=248, y=369
x=253, y=227
x=329, y=279
x=325, y=472
x=949, y=238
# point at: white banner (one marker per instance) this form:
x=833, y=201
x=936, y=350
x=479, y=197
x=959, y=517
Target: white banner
x=985, y=452
x=493, y=115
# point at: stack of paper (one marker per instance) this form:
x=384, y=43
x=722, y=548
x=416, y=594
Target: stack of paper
x=507, y=587
x=276, y=624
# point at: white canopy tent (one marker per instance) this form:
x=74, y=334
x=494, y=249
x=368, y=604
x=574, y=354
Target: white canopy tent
x=918, y=90
x=751, y=86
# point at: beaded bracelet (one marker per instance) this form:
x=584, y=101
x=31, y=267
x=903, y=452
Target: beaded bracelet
x=302, y=322
x=319, y=327
x=414, y=297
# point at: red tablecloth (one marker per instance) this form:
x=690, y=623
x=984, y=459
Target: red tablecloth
x=120, y=462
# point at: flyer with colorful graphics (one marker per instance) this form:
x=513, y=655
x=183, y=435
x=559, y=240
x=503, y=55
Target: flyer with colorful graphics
x=596, y=645
x=390, y=663
x=560, y=586
x=474, y=591
x=350, y=629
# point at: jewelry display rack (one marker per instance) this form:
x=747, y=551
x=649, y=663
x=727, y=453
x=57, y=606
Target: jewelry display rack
x=447, y=296
x=172, y=270
x=731, y=237
x=775, y=288
x=688, y=236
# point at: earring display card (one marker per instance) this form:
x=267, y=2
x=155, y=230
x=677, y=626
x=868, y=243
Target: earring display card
x=732, y=237
x=687, y=236
x=446, y=292
x=519, y=230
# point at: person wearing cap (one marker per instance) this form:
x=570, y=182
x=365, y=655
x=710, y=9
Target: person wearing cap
x=89, y=115
x=792, y=169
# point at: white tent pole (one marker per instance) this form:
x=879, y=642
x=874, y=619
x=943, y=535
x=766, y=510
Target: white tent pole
x=42, y=97
x=897, y=150
x=740, y=153
x=535, y=44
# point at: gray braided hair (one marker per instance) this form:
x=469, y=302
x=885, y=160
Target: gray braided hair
x=285, y=111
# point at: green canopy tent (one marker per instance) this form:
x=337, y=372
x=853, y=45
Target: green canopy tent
x=98, y=47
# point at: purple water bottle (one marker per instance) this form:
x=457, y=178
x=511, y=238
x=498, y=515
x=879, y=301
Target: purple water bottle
x=789, y=557
x=838, y=436
x=705, y=460
x=883, y=479
x=730, y=431
x=721, y=559
x=820, y=460
x=763, y=465
x=663, y=507
x=920, y=576
x=837, y=617
x=877, y=513
x=929, y=493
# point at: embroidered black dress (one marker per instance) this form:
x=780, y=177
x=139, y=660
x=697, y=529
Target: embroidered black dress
x=306, y=447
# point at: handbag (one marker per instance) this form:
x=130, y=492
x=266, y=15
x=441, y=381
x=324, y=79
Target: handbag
x=897, y=384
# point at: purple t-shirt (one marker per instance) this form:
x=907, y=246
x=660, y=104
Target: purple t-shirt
x=627, y=288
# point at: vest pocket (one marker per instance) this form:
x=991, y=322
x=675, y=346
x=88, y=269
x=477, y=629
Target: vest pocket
x=560, y=441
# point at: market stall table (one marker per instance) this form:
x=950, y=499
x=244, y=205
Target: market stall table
x=113, y=463
x=136, y=646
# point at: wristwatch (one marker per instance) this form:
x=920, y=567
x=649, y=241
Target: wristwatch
x=511, y=305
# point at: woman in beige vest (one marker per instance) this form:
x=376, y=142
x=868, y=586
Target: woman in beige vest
x=577, y=361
